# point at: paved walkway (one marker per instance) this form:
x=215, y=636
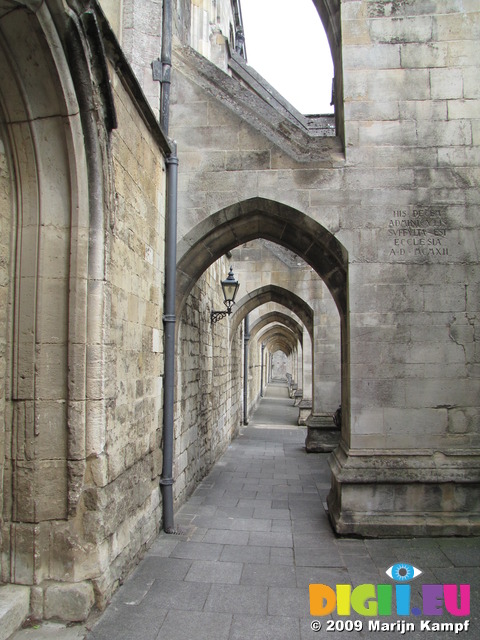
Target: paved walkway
x=254, y=535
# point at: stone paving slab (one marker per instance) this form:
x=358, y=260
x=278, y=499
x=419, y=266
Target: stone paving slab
x=242, y=566
x=271, y=494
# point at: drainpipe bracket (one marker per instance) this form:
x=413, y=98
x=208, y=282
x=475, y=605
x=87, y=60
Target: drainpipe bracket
x=157, y=70
x=172, y=159
x=166, y=482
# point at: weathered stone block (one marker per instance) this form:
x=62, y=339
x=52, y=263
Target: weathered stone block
x=457, y=26
x=383, y=56
x=446, y=84
x=417, y=55
x=70, y=602
x=51, y=490
x=51, y=367
x=407, y=29
x=372, y=111
x=50, y=427
x=471, y=89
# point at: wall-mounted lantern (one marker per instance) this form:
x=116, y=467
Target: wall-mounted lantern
x=230, y=288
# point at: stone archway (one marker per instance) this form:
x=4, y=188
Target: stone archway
x=283, y=334
x=304, y=380
x=273, y=293
x=262, y=218
x=278, y=338
x=290, y=228
x=276, y=317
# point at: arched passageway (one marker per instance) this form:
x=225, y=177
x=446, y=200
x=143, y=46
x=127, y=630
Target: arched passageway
x=202, y=250
x=277, y=317
x=273, y=293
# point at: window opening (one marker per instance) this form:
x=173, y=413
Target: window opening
x=287, y=45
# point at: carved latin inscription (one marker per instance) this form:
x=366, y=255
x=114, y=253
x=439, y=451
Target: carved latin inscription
x=418, y=232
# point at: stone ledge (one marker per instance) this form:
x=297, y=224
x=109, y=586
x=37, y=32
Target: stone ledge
x=386, y=525
x=381, y=496
x=14, y=608
x=400, y=467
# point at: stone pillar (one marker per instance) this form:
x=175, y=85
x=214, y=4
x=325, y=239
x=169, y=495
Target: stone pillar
x=323, y=435
x=307, y=366
x=408, y=462
x=304, y=401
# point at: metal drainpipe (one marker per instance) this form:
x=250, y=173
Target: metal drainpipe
x=246, y=338
x=169, y=319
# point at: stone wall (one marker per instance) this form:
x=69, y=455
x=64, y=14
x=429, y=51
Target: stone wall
x=125, y=459
x=411, y=125
x=6, y=205
x=254, y=375
x=208, y=409
x=81, y=493
x=142, y=43
x=387, y=217
x=40, y=240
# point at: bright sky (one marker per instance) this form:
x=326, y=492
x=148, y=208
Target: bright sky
x=287, y=45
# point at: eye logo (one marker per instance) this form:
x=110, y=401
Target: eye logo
x=379, y=600
x=402, y=572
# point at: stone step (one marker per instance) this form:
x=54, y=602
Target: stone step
x=14, y=608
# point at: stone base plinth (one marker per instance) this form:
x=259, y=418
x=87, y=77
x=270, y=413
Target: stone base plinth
x=297, y=397
x=382, y=495
x=322, y=435
x=304, y=411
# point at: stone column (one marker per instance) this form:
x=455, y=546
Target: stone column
x=323, y=435
x=304, y=401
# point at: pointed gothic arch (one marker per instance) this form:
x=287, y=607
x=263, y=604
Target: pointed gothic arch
x=273, y=293
x=279, y=318
x=261, y=218
x=278, y=337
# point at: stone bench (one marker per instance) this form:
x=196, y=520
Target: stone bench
x=297, y=397
x=323, y=434
x=304, y=411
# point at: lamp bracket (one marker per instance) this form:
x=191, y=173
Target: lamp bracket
x=215, y=316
